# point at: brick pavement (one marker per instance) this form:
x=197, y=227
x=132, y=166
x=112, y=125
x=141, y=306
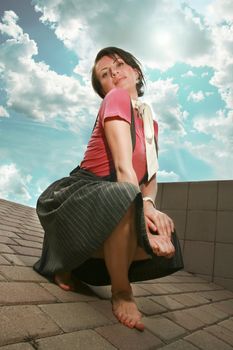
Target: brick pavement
x=181, y=311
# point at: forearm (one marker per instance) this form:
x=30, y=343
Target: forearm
x=127, y=175
x=149, y=189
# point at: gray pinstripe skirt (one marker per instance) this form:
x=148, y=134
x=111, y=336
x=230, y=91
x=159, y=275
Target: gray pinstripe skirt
x=78, y=213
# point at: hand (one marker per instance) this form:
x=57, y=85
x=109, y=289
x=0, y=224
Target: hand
x=161, y=245
x=157, y=221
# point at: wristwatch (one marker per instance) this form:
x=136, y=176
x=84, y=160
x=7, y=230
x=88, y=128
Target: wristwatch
x=149, y=199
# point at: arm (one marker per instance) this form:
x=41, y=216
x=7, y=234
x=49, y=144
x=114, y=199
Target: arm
x=155, y=219
x=117, y=132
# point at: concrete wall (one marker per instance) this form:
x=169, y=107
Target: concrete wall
x=203, y=215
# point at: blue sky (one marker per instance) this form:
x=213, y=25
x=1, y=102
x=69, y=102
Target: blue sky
x=47, y=106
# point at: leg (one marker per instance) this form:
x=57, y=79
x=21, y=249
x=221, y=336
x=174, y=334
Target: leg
x=119, y=251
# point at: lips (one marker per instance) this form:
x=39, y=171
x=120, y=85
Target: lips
x=119, y=79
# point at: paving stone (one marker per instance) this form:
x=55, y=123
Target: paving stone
x=20, y=260
x=189, y=279
x=14, y=259
x=179, y=345
x=207, y=314
x=75, y=316
x=217, y=295
x=105, y=308
x=184, y=319
x=183, y=273
x=125, y=338
x=27, y=243
x=7, y=220
x=24, y=292
x=8, y=227
x=19, y=346
x=4, y=261
x=225, y=306
x=167, y=279
x=227, y=324
x=168, y=302
x=103, y=292
x=195, y=287
x=2, y=278
x=149, y=307
x=21, y=322
x=189, y=299
x=8, y=233
x=221, y=333
x=6, y=240
x=26, y=250
x=207, y=341
x=163, y=328
x=138, y=291
x=154, y=289
x=5, y=249
x=18, y=273
x=39, y=233
x=86, y=339
x=30, y=237
x=170, y=288
x=64, y=296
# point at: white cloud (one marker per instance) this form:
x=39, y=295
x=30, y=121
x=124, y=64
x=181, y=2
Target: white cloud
x=217, y=152
x=165, y=176
x=188, y=74
x=174, y=32
x=204, y=74
x=219, y=128
x=34, y=89
x=3, y=112
x=13, y=183
x=87, y=27
x=9, y=26
x=219, y=11
x=196, y=96
x=162, y=95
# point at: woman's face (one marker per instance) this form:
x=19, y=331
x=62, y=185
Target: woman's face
x=113, y=72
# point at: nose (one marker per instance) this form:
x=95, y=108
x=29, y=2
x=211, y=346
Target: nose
x=114, y=71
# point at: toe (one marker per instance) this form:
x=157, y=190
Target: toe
x=140, y=326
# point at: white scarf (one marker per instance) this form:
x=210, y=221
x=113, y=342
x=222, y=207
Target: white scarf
x=145, y=113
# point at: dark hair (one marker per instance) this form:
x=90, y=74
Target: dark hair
x=128, y=58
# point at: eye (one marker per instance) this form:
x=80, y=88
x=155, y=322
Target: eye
x=104, y=74
x=120, y=63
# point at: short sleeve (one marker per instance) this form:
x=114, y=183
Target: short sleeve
x=116, y=104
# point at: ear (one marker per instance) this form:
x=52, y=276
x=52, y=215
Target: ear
x=137, y=74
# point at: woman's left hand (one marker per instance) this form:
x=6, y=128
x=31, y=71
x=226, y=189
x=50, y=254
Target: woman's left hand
x=157, y=221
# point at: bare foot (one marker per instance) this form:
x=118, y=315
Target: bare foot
x=125, y=310
x=64, y=281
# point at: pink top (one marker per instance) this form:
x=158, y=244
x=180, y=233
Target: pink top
x=97, y=157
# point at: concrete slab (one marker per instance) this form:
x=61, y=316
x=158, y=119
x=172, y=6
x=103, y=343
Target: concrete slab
x=24, y=323
x=75, y=316
x=23, y=293
x=86, y=339
x=205, y=341
x=181, y=311
x=124, y=338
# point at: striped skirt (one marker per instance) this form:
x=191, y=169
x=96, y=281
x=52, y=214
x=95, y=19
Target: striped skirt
x=78, y=213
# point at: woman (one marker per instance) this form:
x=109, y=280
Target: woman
x=101, y=223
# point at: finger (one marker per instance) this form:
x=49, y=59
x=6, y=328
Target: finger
x=166, y=248
x=162, y=226
x=171, y=224
x=151, y=225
